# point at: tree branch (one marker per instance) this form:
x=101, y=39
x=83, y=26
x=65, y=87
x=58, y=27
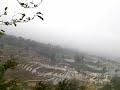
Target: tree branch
x=29, y=4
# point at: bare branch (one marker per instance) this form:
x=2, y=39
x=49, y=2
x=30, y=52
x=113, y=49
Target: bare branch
x=29, y=4
x=23, y=18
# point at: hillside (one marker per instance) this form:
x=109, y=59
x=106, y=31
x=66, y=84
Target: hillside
x=39, y=61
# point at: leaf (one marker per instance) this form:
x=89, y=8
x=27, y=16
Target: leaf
x=5, y=13
x=24, y=20
x=2, y=30
x=15, y=24
x=28, y=18
x=22, y=4
x=6, y=23
x=31, y=2
x=20, y=18
x=6, y=8
x=35, y=5
x=40, y=17
x=39, y=13
x=23, y=15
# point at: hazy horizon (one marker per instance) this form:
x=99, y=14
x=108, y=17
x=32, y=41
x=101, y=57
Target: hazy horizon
x=90, y=25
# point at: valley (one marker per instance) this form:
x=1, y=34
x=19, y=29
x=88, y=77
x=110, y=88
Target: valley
x=53, y=64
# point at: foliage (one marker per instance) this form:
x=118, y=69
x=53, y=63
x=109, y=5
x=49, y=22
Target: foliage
x=10, y=64
x=113, y=85
x=62, y=85
x=23, y=18
x=40, y=86
x=8, y=84
x=46, y=50
x=68, y=85
x=83, y=87
x=29, y=4
x=43, y=86
x=106, y=87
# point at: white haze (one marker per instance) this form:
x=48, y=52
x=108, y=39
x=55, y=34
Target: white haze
x=89, y=25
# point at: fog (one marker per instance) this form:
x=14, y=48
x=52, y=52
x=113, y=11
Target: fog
x=91, y=26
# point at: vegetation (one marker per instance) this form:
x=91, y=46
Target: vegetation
x=8, y=84
x=44, y=86
x=113, y=85
x=46, y=50
x=62, y=85
x=23, y=18
x=18, y=43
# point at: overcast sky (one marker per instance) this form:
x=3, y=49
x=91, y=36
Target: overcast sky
x=87, y=25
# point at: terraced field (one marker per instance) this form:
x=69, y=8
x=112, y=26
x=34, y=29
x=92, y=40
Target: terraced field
x=56, y=72
x=51, y=73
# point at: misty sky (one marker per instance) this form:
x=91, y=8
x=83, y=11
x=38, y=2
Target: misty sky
x=87, y=25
